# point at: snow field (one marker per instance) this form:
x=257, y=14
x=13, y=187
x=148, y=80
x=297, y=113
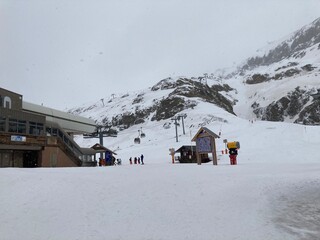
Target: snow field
x=270, y=194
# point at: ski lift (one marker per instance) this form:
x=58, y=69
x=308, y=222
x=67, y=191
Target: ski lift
x=142, y=135
x=137, y=140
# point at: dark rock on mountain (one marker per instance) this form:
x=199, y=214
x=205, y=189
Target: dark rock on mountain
x=170, y=106
x=288, y=106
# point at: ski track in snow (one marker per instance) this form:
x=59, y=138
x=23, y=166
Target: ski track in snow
x=297, y=210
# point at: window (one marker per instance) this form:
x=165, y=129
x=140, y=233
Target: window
x=17, y=126
x=60, y=134
x=52, y=131
x=36, y=128
x=13, y=125
x=2, y=124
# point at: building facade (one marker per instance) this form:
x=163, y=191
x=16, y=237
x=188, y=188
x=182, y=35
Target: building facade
x=22, y=135
x=29, y=139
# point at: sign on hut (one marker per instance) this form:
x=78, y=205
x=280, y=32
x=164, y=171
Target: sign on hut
x=205, y=145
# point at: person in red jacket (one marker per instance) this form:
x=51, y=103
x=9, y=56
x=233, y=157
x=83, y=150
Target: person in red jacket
x=233, y=152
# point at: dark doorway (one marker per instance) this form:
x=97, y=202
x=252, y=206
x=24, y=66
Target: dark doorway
x=30, y=159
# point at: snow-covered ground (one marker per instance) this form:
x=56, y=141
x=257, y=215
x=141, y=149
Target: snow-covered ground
x=273, y=193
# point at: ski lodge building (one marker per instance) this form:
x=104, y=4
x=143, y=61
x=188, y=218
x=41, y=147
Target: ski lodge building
x=36, y=136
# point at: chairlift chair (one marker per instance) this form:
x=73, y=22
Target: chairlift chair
x=142, y=135
x=137, y=140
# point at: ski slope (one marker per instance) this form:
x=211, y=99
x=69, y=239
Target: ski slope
x=273, y=193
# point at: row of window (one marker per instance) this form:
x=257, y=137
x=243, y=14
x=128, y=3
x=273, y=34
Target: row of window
x=21, y=126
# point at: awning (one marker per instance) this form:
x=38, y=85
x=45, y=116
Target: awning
x=88, y=151
x=20, y=147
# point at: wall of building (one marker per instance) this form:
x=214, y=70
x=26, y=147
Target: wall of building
x=53, y=156
x=5, y=158
x=24, y=136
x=14, y=158
x=10, y=98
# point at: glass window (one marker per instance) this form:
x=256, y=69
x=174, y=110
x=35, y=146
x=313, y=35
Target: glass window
x=32, y=128
x=17, y=126
x=40, y=128
x=48, y=130
x=54, y=132
x=2, y=124
x=13, y=125
x=60, y=134
x=36, y=128
x=22, y=126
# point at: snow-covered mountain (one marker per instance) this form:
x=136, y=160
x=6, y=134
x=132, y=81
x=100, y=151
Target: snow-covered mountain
x=280, y=83
x=158, y=104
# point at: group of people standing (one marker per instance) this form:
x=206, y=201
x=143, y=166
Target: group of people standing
x=137, y=160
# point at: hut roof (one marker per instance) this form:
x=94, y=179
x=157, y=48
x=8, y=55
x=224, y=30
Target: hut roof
x=186, y=147
x=99, y=148
x=88, y=151
x=204, y=130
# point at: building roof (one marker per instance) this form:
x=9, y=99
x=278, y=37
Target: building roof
x=6, y=90
x=68, y=122
x=204, y=130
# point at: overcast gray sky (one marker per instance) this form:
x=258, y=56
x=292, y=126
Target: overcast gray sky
x=62, y=53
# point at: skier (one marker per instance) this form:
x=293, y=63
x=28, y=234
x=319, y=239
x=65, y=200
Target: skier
x=141, y=157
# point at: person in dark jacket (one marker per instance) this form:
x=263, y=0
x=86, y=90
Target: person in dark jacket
x=142, y=157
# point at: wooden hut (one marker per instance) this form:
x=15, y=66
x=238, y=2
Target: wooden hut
x=107, y=152
x=187, y=154
x=205, y=145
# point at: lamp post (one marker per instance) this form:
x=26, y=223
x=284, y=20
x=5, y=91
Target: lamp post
x=176, y=124
x=182, y=116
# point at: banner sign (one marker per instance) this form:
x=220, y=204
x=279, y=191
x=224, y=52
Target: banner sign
x=16, y=138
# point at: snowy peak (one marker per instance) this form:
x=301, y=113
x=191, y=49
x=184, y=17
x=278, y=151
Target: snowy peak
x=279, y=85
x=161, y=102
x=295, y=47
